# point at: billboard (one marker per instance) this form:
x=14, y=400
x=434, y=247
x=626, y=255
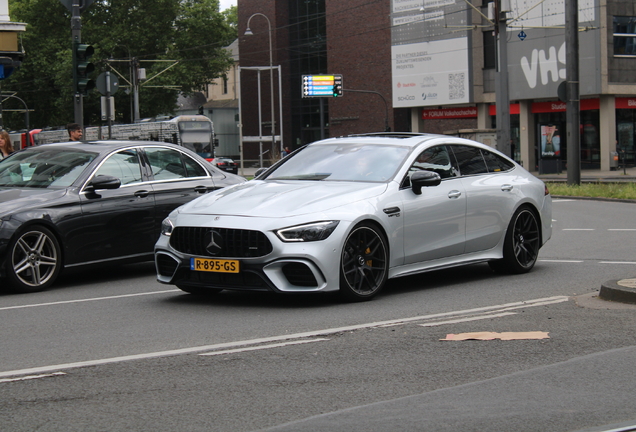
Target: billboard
x=430, y=53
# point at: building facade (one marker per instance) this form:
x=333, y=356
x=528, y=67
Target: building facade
x=430, y=66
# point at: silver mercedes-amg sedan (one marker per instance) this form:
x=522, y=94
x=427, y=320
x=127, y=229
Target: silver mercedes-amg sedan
x=346, y=214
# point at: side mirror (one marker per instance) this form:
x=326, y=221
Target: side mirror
x=420, y=179
x=260, y=171
x=103, y=182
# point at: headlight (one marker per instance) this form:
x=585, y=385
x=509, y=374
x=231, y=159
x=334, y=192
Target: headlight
x=166, y=226
x=315, y=231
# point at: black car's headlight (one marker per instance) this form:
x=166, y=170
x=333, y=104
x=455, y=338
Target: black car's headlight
x=166, y=226
x=314, y=231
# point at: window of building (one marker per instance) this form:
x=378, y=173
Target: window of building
x=490, y=50
x=224, y=84
x=624, y=36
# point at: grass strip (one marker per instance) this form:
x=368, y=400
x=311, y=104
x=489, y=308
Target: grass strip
x=626, y=190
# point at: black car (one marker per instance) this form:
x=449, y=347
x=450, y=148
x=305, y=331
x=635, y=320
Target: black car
x=73, y=204
x=226, y=164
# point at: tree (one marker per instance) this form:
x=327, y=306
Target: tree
x=190, y=32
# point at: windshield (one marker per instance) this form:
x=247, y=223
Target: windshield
x=51, y=168
x=352, y=162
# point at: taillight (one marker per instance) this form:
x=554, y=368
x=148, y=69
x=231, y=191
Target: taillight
x=546, y=191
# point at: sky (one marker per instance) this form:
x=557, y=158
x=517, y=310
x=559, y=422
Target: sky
x=226, y=4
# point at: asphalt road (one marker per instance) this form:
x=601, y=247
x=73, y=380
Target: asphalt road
x=114, y=350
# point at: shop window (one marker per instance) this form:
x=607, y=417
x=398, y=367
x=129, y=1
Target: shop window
x=624, y=36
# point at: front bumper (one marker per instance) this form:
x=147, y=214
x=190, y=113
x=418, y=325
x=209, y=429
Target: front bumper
x=289, y=268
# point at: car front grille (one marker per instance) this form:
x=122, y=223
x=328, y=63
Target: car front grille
x=220, y=242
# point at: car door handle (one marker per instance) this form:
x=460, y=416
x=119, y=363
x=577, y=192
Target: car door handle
x=506, y=188
x=201, y=189
x=142, y=193
x=454, y=194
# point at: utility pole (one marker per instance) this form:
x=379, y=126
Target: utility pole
x=76, y=36
x=134, y=65
x=572, y=106
x=502, y=98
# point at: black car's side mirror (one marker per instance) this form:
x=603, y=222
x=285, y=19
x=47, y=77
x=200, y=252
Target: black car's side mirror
x=103, y=182
x=420, y=179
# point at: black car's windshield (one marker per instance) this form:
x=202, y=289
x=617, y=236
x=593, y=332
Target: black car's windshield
x=50, y=168
x=363, y=162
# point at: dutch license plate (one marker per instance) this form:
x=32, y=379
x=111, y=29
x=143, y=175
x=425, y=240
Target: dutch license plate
x=214, y=265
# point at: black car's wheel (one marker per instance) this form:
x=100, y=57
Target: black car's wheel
x=364, y=263
x=34, y=260
x=522, y=243
x=199, y=290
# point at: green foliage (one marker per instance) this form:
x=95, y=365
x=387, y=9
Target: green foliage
x=626, y=190
x=192, y=33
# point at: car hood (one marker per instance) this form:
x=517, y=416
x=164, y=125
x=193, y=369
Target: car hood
x=282, y=198
x=22, y=198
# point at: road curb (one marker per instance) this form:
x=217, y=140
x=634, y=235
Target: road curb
x=622, y=200
x=623, y=291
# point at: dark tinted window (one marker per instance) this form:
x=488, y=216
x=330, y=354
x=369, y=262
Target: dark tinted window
x=124, y=165
x=193, y=168
x=436, y=159
x=469, y=159
x=496, y=163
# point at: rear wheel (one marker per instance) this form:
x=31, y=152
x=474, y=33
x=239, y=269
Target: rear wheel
x=34, y=260
x=522, y=243
x=364, y=263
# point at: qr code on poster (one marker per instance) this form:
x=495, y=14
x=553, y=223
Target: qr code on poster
x=456, y=85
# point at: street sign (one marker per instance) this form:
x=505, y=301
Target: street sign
x=322, y=86
x=83, y=4
x=101, y=83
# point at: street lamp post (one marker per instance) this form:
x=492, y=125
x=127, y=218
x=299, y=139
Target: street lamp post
x=248, y=32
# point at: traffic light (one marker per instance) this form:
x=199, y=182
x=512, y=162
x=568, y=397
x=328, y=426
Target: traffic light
x=82, y=68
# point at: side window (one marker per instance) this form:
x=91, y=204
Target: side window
x=124, y=165
x=496, y=163
x=166, y=164
x=436, y=159
x=469, y=159
x=193, y=169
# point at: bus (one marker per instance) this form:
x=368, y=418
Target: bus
x=195, y=132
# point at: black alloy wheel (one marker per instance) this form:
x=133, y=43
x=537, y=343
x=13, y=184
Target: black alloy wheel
x=364, y=263
x=34, y=260
x=522, y=244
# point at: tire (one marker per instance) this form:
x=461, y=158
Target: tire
x=364, y=263
x=199, y=291
x=522, y=244
x=34, y=260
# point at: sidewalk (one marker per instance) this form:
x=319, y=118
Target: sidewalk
x=590, y=176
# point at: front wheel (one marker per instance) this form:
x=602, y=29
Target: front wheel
x=364, y=263
x=34, y=260
x=522, y=243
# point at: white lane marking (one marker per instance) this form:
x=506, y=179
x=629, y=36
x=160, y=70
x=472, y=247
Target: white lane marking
x=30, y=377
x=466, y=319
x=578, y=229
x=88, y=299
x=260, y=347
x=560, y=261
x=314, y=333
x=616, y=262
